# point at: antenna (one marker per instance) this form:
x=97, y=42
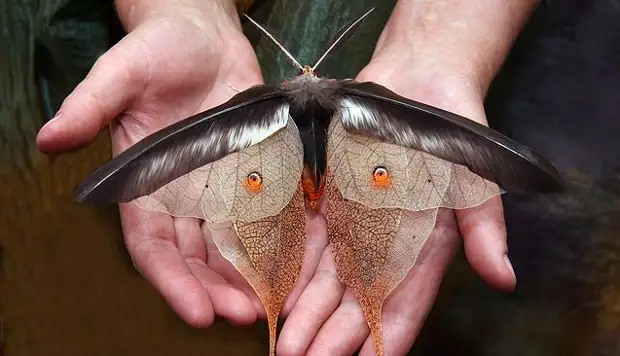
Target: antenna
x=341, y=36
x=266, y=33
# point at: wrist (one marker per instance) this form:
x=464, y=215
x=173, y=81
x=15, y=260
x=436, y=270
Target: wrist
x=436, y=83
x=468, y=39
x=221, y=13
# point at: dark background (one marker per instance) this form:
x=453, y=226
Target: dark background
x=67, y=285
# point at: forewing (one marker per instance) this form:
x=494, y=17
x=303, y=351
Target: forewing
x=246, y=119
x=262, y=233
x=374, y=110
x=378, y=231
x=418, y=181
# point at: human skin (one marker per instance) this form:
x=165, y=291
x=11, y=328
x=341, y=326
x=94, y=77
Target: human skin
x=173, y=64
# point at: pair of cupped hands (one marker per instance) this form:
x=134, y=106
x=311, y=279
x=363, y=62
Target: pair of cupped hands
x=178, y=62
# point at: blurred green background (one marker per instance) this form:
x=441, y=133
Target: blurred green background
x=67, y=285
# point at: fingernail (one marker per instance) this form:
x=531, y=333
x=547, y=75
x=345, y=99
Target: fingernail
x=508, y=264
x=58, y=115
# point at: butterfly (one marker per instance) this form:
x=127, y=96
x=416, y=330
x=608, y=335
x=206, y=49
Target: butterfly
x=383, y=163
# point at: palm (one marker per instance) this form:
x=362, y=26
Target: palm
x=176, y=71
x=172, y=252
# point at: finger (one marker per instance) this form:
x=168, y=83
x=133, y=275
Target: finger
x=316, y=242
x=150, y=239
x=344, y=332
x=484, y=237
x=114, y=80
x=228, y=302
x=407, y=307
x=317, y=302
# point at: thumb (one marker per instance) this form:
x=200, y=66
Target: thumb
x=484, y=236
x=112, y=83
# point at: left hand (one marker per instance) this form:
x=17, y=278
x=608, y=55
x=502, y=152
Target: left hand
x=327, y=318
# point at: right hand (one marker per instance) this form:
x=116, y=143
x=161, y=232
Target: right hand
x=178, y=59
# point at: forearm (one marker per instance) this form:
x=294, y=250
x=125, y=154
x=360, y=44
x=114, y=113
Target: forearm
x=134, y=12
x=472, y=37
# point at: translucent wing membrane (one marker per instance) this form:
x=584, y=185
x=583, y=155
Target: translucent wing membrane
x=415, y=180
x=220, y=191
x=268, y=253
x=254, y=202
x=382, y=202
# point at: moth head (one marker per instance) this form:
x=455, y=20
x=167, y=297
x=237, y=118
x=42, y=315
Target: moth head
x=307, y=70
x=340, y=37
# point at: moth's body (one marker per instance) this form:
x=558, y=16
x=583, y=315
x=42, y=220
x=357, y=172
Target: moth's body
x=313, y=102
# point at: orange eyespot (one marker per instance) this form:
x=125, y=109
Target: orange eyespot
x=381, y=177
x=254, y=182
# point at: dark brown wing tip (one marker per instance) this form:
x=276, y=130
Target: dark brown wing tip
x=88, y=194
x=557, y=183
x=547, y=179
x=552, y=183
x=80, y=195
x=92, y=191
